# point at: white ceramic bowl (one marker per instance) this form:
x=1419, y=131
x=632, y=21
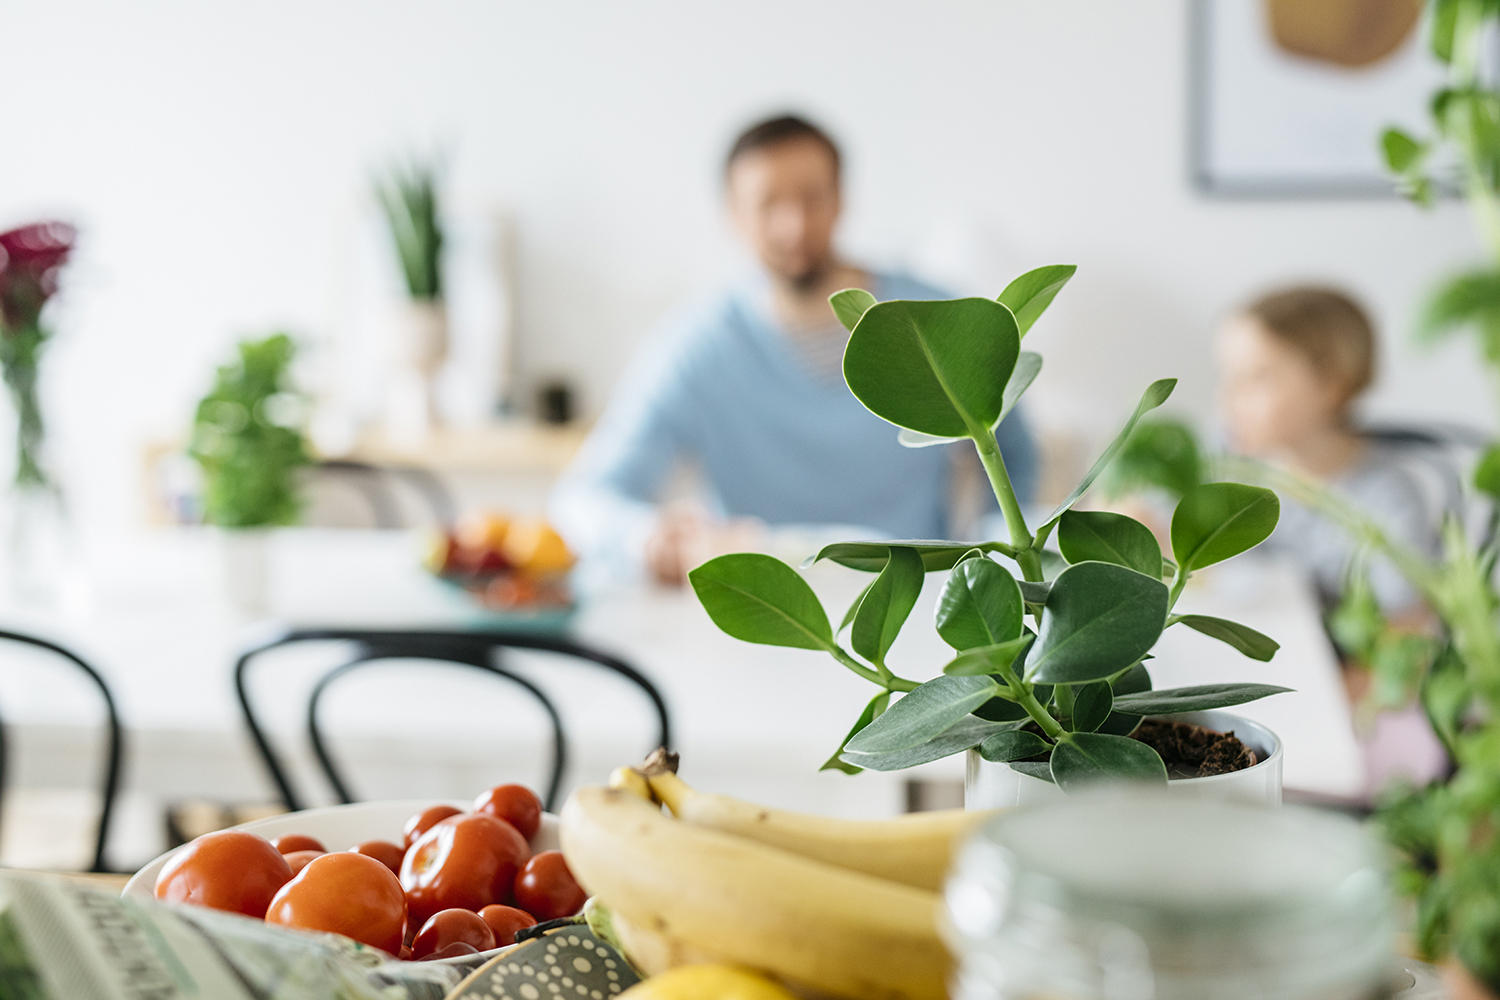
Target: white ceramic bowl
x=338, y=828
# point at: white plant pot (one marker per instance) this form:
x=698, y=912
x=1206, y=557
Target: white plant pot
x=421, y=349
x=988, y=785
x=245, y=566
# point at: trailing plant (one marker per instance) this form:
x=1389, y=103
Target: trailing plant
x=1057, y=697
x=409, y=201
x=247, y=438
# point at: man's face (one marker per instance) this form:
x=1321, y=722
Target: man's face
x=784, y=200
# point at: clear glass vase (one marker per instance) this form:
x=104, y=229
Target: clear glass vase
x=39, y=552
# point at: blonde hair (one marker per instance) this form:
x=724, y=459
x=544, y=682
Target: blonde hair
x=1326, y=327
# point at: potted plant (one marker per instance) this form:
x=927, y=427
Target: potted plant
x=247, y=440
x=409, y=201
x=1053, y=700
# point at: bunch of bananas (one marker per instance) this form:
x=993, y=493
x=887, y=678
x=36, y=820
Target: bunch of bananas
x=836, y=907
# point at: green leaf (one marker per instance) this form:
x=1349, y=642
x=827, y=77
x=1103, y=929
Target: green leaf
x=872, y=712
x=936, y=367
x=1000, y=709
x=1444, y=21
x=1402, y=152
x=1017, y=745
x=916, y=439
x=1041, y=770
x=1471, y=299
x=849, y=305
x=1030, y=294
x=1028, y=367
x=1099, y=619
x=1083, y=759
x=1201, y=698
x=968, y=732
x=1242, y=637
x=1156, y=394
x=760, y=599
x=1132, y=681
x=1218, y=520
x=986, y=659
x=1487, y=472
x=886, y=605
x=853, y=609
x=1161, y=454
x=1034, y=593
x=1097, y=535
x=980, y=605
x=1091, y=705
x=924, y=712
x=870, y=557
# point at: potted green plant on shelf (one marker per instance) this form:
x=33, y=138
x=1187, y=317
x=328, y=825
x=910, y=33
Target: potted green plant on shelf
x=409, y=201
x=248, y=442
x=1055, y=700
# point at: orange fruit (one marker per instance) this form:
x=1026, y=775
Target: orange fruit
x=483, y=532
x=533, y=547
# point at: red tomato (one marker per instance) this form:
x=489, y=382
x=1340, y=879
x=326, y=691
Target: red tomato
x=453, y=950
x=297, y=860
x=447, y=927
x=422, y=821
x=228, y=870
x=383, y=851
x=516, y=804
x=467, y=861
x=297, y=842
x=505, y=921
x=546, y=889
x=344, y=893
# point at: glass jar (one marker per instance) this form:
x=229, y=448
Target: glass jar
x=1143, y=896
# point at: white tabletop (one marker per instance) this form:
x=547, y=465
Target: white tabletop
x=750, y=720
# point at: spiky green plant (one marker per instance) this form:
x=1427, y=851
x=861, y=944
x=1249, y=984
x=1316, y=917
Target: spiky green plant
x=409, y=199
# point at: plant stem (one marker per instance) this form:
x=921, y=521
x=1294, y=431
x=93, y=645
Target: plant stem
x=1010, y=507
x=890, y=682
x=1038, y=713
x=1177, y=584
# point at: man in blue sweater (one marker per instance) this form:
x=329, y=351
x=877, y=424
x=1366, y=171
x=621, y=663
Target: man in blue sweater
x=748, y=387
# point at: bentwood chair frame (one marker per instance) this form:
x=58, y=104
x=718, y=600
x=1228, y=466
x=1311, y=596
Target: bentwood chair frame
x=479, y=650
x=115, y=744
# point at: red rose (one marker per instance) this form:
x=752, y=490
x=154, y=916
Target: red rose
x=30, y=258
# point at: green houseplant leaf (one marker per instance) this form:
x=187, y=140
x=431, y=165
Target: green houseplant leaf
x=1014, y=745
x=980, y=605
x=1030, y=294
x=987, y=659
x=1218, y=520
x=872, y=711
x=1101, y=536
x=1099, y=619
x=760, y=599
x=935, y=367
x=1083, y=759
x=849, y=305
x=1091, y=706
x=870, y=557
x=924, y=713
x=886, y=604
x=1253, y=644
x=1156, y=394
x=968, y=732
x=1199, y=698
x=1132, y=681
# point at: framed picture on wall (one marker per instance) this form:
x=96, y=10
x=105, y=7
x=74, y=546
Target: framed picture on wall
x=1288, y=98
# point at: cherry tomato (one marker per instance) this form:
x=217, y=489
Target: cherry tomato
x=344, y=893
x=422, y=821
x=297, y=860
x=546, y=889
x=228, y=870
x=467, y=861
x=297, y=842
x=383, y=851
x=447, y=927
x=505, y=921
x=516, y=804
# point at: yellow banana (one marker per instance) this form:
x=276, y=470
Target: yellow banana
x=707, y=982
x=915, y=849
x=631, y=780
x=712, y=894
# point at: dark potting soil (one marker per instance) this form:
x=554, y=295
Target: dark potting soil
x=1192, y=751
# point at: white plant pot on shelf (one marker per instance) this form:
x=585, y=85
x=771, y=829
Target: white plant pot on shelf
x=245, y=565
x=988, y=785
x=420, y=351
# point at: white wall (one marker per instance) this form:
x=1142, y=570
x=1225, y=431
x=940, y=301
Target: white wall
x=214, y=154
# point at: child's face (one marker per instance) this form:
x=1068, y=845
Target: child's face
x=1273, y=398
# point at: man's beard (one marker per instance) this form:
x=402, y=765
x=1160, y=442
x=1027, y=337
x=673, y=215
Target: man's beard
x=809, y=280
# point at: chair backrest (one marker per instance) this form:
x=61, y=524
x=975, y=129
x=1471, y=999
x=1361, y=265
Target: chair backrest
x=374, y=484
x=109, y=786
x=476, y=650
x=1441, y=458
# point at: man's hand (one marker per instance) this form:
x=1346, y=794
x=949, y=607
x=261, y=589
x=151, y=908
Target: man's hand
x=686, y=537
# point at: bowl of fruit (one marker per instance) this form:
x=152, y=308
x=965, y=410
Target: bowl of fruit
x=515, y=566
x=418, y=880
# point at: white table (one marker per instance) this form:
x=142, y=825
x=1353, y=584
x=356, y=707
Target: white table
x=749, y=720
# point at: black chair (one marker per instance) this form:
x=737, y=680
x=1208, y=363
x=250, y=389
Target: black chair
x=373, y=482
x=110, y=786
x=478, y=650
